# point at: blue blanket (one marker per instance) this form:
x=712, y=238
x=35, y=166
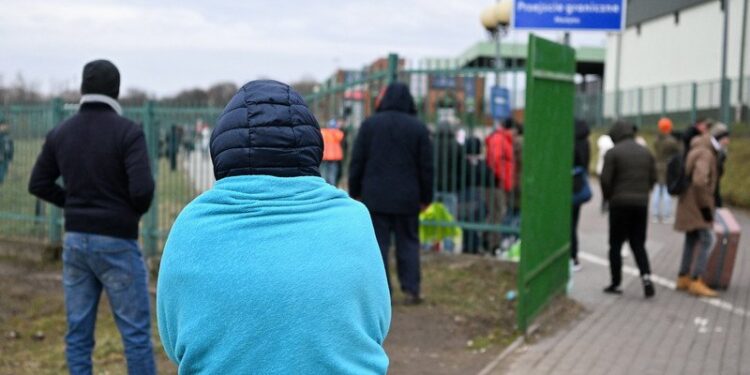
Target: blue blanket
x=269, y=275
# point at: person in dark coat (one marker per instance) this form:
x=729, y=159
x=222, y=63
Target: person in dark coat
x=477, y=177
x=581, y=158
x=391, y=172
x=102, y=159
x=628, y=175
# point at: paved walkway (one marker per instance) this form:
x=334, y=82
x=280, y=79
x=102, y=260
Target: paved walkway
x=671, y=334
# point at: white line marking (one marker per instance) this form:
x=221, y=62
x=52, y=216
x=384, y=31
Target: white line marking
x=667, y=283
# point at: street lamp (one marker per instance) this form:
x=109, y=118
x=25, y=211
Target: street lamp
x=495, y=19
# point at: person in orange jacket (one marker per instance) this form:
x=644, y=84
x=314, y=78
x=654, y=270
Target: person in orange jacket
x=332, y=152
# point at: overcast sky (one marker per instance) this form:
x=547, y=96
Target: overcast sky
x=165, y=46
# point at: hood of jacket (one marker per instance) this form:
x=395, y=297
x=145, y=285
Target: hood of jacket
x=703, y=141
x=398, y=98
x=266, y=129
x=622, y=131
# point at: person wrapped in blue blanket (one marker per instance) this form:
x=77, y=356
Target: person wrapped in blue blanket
x=272, y=271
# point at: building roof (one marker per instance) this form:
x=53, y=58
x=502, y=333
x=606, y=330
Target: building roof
x=644, y=10
x=518, y=51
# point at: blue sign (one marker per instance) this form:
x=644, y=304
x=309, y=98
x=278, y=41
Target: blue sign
x=596, y=15
x=500, y=105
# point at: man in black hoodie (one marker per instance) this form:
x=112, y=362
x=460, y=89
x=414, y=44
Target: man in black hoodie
x=391, y=172
x=106, y=186
x=628, y=175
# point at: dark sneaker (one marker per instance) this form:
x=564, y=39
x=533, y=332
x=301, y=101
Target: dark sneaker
x=412, y=299
x=613, y=289
x=648, y=289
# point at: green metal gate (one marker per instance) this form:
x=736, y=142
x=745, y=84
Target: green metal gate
x=544, y=267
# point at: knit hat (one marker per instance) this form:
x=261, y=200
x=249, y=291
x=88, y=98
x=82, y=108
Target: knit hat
x=101, y=77
x=665, y=125
x=719, y=131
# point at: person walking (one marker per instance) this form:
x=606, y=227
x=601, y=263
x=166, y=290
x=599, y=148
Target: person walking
x=6, y=149
x=666, y=147
x=581, y=159
x=392, y=172
x=102, y=159
x=333, y=153
x=695, y=214
x=627, y=177
x=273, y=270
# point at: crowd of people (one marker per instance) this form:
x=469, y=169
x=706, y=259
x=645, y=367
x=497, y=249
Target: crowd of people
x=276, y=256
x=632, y=179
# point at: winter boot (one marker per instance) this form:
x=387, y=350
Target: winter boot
x=700, y=289
x=683, y=282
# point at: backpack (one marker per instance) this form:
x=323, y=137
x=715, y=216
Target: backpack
x=677, y=179
x=581, y=189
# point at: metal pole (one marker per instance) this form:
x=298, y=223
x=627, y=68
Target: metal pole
x=694, y=103
x=617, y=75
x=498, y=63
x=741, y=88
x=725, y=117
x=54, y=219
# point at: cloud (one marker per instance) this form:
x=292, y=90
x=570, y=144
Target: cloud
x=168, y=45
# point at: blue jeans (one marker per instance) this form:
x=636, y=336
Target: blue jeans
x=92, y=263
x=704, y=240
x=329, y=170
x=661, y=202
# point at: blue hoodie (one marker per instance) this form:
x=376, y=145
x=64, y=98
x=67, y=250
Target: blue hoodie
x=272, y=274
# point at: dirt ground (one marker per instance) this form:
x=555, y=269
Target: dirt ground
x=464, y=323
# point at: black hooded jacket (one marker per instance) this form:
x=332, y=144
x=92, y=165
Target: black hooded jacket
x=629, y=170
x=266, y=129
x=391, y=169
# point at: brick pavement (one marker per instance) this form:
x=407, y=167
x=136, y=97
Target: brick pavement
x=672, y=334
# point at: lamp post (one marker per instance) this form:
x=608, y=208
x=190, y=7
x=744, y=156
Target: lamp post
x=495, y=19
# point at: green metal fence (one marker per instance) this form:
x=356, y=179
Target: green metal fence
x=178, y=146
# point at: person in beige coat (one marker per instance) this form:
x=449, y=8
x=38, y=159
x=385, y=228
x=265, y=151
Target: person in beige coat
x=695, y=210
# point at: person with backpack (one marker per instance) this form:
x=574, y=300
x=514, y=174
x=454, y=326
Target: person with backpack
x=501, y=160
x=102, y=161
x=628, y=175
x=666, y=147
x=695, y=214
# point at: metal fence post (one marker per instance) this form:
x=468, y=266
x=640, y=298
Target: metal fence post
x=392, y=67
x=151, y=220
x=663, y=100
x=640, y=107
x=694, y=103
x=726, y=107
x=54, y=218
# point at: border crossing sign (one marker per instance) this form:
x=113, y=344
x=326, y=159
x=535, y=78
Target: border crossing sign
x=567, y=15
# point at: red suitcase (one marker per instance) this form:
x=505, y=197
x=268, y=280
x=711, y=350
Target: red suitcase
x=720, y=265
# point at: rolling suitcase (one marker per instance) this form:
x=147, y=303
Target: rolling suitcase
x=720, y=265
